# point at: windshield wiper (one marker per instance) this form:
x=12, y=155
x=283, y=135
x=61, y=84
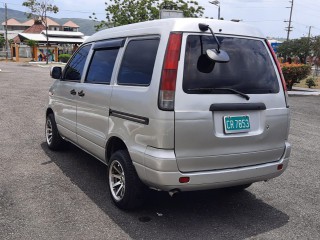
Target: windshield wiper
x=210, y=90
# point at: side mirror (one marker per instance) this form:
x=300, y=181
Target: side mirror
x=56, y=72
x=218, y=56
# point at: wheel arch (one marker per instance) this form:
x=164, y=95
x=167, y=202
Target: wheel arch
x=49, y=111
x=114, y=144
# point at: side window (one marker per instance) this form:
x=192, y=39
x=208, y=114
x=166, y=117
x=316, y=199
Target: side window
x=73, y=71
x=101, y=66
x=138, y=62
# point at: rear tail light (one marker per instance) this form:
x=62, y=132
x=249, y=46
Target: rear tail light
x=284, y=85
x=169, y=72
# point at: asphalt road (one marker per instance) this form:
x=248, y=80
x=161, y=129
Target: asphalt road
x=63, y=195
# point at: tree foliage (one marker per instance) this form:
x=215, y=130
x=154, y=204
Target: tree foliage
x=38, y=9
x=31, y=43
x=302, y=48
x=123, y=12
x=316, y=47
x=2, y=41
x=295, y=48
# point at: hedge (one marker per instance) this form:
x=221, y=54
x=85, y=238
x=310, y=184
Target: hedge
x=64, y=57
x=294, y=73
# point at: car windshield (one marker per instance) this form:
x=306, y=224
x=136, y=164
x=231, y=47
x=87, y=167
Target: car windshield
x=250, y=69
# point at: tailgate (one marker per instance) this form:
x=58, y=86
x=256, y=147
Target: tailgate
x=218, y=129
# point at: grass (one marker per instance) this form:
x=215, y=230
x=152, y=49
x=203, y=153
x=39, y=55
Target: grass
x=304, y=85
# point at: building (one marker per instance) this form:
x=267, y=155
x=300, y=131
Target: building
x=15, y=25
x=61, y=38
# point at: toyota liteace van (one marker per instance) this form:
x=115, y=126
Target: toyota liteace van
x=174, y=105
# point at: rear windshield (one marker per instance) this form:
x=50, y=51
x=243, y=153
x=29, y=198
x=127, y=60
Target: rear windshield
x=249, y=70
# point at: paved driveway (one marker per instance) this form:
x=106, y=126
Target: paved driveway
x=63, y=195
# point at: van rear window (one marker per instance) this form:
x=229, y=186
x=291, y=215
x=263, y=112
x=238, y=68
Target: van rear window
x=250, y=69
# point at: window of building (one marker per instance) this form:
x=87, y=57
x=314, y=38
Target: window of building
x=138, y=62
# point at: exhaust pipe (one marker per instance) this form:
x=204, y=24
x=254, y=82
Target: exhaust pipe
x=173, y=192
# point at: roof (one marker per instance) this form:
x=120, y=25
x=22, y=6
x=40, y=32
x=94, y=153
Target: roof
x=274, y=41
x=12, y=22
x=70, y=24
x=42, y=38
x=35, y=28
x=50, y=22
x=165, y=26
x=28, y=23
x=63, y=34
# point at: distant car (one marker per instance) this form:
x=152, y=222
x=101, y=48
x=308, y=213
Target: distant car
x=175, y=105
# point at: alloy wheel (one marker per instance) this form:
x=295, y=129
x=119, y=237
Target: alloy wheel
x=117, y=180
x=49, y=131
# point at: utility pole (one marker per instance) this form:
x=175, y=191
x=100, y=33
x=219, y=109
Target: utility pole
x=289, y=28
x=6, y=32
x=46, y=25
x=216, y=3
x=309, y=35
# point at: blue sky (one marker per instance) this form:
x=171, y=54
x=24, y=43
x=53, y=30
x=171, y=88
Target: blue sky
x=267, y=15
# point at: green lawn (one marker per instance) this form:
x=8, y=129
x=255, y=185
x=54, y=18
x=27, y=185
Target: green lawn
x=303, y=83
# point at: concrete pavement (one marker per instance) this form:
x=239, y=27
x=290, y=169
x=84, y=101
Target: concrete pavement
x=304, y=91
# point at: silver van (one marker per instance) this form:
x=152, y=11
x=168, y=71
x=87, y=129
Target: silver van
x=174, y=105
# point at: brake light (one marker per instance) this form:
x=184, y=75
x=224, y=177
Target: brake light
x=284, y=85
x=169, y=72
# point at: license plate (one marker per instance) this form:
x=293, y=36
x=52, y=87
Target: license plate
x=236, y=124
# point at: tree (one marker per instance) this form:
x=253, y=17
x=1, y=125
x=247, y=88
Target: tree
x=316, y=53
x=122, y=12
x=295, y=48
x=2, y=41
x=32, y=44
x=38, y=11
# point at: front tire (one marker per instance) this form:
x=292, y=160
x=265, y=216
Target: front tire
x=53, y=138
x=125, y=187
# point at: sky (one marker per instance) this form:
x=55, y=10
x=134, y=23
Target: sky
x=267, y=15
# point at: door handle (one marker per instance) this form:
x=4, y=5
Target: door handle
x=73, y=92
x=81, y=93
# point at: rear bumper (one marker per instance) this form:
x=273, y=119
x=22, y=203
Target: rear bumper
x=163, y=173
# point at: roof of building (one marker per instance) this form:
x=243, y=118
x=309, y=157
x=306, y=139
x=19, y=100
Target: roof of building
x=28, y=23
x=51, y=22
x=70, y=24
x=63, y=34
x=35, y=28
x=12, y=22
x=41, y=38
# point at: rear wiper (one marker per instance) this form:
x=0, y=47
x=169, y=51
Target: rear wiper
x=220, y=89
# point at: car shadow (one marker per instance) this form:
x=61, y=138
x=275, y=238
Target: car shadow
x=214, y=214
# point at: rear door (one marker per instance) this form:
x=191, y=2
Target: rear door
x=217, y=128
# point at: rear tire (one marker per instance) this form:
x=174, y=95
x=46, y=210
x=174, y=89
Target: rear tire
x=53, y=138
x=125, y=187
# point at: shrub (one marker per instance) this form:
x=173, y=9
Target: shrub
x=310, y=82
x=64, y=57
x=294, y=73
